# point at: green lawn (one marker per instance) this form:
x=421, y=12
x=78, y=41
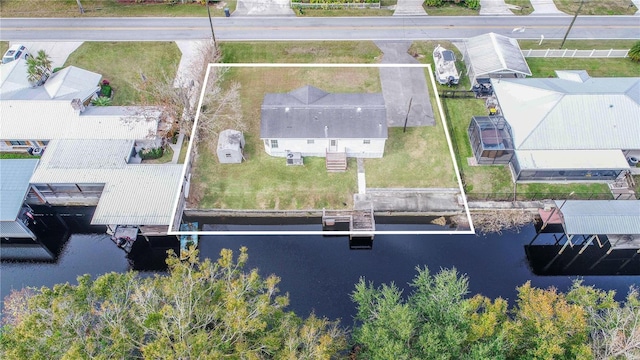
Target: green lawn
x=525, y=6
x=545, y=67
x=301, y=52
x=4, y=45
x=597, y=7
x=265, y=182
x=114, y=8
x=124, y=63
x=577, y=44
x=493, y=182
x=20, y=155
x=342, y=12
x=417, y=158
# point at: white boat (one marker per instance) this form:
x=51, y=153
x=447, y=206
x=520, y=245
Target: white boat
x=445, y=64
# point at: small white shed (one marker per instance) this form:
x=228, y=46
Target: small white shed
x=230, y=145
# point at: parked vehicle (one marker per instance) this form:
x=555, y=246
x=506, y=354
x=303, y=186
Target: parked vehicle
x=15, y=52
x=445, y=66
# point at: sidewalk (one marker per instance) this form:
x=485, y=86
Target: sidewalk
x=546, y=7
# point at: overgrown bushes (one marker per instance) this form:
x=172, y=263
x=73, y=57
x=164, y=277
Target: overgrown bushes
x=471, y=4
x=634, y=52
x=150, y=154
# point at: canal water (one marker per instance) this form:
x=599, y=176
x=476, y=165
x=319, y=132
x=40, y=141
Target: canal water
x=320, y=272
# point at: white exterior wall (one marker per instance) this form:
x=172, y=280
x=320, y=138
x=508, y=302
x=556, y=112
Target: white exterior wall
x=353, y=147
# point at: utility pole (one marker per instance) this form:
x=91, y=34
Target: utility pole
x=80, y=7
x=213, y=35
x=571, y=25
x=406, y=119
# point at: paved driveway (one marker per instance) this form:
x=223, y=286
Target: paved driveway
x=58, y=51
x=404, y=89
x=494, y=7
x=545, y=7
x=263, y=8
x=409, y=8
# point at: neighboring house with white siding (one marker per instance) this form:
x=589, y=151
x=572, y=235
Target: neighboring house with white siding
x=313, y=122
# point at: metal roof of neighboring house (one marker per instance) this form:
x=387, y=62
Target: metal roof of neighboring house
x=572, y=160
x=133, y=194
x=14, y=184
x=57, y=119
x=308, y=113
x=491, y=52
x=589, y=217
x=572, y=112
x=69, y=83
x=13, y=78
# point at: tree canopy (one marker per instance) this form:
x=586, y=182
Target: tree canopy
x=437, y=321
x=218, y=309
x=198, y=310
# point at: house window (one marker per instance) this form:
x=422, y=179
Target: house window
x=274, y=144
x=333, y=143
x=366, y=141
x=310, y=141
x=18, y=142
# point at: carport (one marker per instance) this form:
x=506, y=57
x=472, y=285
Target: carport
x=494, y=56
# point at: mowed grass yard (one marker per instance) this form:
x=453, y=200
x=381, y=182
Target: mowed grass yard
x=125, y=63
x=114, y=8
x=597, y=7
x=417, y=158
x=266, y=182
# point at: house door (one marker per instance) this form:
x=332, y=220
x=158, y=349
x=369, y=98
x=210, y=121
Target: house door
x=333, y=145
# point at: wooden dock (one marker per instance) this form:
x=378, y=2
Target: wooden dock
x=361, y=222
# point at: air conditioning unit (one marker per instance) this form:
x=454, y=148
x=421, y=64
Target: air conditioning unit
x=37, y=151
x=294, y=158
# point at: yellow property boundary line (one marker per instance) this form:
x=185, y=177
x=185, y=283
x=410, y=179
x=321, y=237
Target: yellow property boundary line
x=298, y=65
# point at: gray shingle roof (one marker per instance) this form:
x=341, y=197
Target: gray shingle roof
x=309, y=112
x=589, y=217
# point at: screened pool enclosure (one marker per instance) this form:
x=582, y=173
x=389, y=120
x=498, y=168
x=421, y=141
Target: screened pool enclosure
x=491, y=141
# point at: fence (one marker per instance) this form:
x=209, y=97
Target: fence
x=327, y=5
x=471, y=196
x=561, y=53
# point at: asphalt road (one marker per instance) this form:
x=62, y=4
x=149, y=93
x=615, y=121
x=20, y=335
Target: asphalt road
x=336, y=28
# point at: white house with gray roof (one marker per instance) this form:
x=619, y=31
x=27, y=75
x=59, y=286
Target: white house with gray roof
x=573, y=127
x=313, y=122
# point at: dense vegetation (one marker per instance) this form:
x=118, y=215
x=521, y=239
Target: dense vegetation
x=217, y=309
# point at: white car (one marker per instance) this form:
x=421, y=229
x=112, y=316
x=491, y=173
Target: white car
x=15, y=52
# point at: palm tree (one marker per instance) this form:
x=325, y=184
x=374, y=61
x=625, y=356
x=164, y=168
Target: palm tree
x=39, y=68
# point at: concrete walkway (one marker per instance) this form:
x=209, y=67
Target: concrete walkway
x=546, y=7
x=404, y=89
x=409, y=8
x=494, y=7
x=191, y=51
x=263, y=8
